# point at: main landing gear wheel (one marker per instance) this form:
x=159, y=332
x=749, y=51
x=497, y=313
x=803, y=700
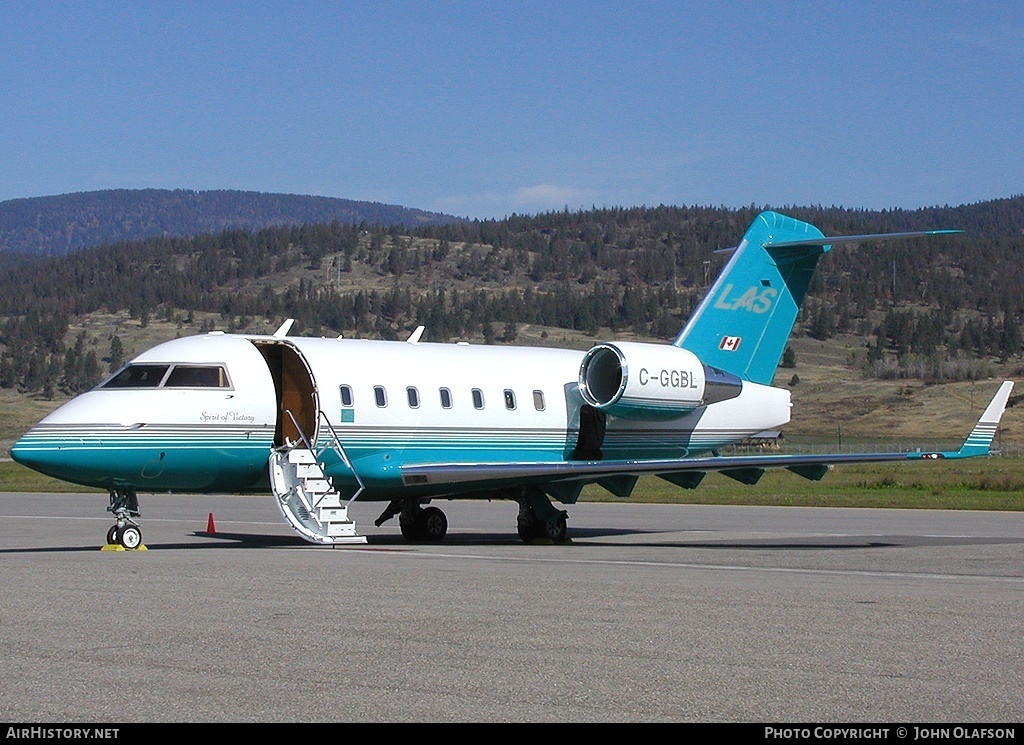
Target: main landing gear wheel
x=556, y=525
x=554, y=528
x=423, y=524
x=435, y=524
x=538, y=518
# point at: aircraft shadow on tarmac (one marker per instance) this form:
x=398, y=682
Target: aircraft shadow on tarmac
x=591, y=536
x=789, y=543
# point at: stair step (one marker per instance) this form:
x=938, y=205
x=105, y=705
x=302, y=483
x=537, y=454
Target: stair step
x=309, y=471
x=308, y=501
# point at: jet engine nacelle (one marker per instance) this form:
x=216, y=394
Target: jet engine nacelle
x=651, y=381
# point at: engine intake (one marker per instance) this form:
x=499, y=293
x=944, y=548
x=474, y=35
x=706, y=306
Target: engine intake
x=651, y=381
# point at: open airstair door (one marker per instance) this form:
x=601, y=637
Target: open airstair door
x=297, y=400
x=305, y=494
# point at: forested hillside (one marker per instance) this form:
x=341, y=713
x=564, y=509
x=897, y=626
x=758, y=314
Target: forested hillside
x=938, y=308
x=53, y=226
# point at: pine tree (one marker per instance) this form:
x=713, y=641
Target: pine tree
x=116, y=354
x=788, y=358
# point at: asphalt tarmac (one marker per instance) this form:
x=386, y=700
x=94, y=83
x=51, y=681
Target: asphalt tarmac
x=650, y=613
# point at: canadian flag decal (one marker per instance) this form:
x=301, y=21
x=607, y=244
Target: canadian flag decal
x=729, y=343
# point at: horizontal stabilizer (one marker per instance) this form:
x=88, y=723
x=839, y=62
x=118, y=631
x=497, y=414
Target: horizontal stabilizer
x=836, y=240
x=840, y=239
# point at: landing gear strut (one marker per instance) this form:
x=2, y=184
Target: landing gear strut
x=538, y=518
x=124, y=503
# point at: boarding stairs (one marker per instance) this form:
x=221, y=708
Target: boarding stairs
x=306, y=495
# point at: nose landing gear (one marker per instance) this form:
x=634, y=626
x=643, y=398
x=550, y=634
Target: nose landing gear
x=125, y=533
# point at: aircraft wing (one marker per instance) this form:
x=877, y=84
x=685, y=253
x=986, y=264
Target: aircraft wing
x=620, y=475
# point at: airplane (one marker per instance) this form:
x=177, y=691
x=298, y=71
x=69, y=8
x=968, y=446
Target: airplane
x=323, y=422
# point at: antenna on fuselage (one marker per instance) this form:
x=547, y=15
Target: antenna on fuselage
x=282, y=331
x=414, y=337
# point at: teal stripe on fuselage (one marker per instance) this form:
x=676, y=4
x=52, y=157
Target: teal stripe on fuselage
x=195, y=461
x=192, y=463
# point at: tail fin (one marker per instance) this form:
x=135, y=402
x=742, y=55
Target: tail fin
x=742, y=324
x=744, y=321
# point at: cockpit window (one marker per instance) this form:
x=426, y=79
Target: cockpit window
x=138, y=376
x=197, y=376
x=180, y=376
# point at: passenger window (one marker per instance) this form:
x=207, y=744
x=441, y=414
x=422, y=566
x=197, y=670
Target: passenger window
x=414, y=397
x=197, y=376
x=538, y=400
x=380, y=396
x=510, y=399
x=138, y=376
x=446, y=398
x=346, y=395
x=478, y=398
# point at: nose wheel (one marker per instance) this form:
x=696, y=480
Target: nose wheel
x=125, y=532
x=127, y=536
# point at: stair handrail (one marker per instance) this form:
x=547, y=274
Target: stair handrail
x=340, y=450
x=298, y=429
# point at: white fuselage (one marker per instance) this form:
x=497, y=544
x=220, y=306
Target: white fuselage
x=211, y=425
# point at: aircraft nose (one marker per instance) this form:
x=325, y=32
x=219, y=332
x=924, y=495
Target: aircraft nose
x=46, y=457
x=19, y=453
x=28, y=453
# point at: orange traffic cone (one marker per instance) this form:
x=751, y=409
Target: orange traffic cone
x=209, y=525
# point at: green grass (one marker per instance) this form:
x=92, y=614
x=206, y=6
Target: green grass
x=995, y=483
x=14, y=477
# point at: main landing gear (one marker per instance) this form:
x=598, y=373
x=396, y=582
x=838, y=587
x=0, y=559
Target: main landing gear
x=418, y=523
x=538, y=519
x=125, y=532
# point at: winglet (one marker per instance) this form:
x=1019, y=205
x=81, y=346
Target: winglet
x=980, y=439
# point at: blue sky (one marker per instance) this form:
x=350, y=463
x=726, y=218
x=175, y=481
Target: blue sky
x=482, y=109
